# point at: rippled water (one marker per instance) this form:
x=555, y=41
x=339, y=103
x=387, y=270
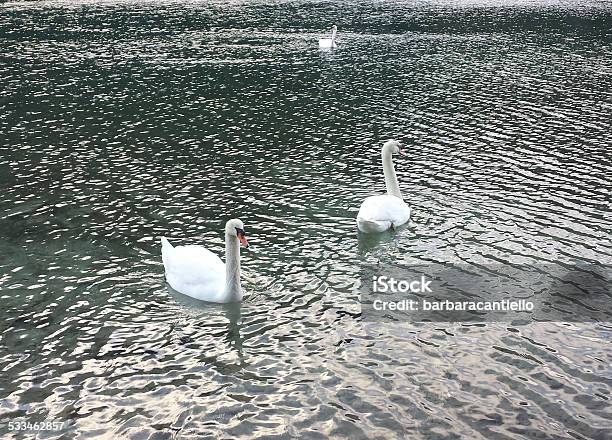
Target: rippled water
x=124, y=121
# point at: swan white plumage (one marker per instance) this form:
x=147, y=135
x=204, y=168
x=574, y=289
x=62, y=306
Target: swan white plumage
x=197, y=272
x=379, y=213
x=329, y=42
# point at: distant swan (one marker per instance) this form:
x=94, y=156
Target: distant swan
x=379, y=213
x=197, y=272
x=329, y=42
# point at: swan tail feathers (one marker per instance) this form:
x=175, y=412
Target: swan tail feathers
x=165, y=243
x=365, y=225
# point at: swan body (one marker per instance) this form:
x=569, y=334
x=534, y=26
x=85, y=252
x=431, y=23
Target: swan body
x=329, y=42
x=197, y=272
x=379, y=213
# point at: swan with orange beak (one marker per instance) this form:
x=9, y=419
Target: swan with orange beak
x=197, y=272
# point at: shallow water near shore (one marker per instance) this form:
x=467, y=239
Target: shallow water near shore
x=121, y=122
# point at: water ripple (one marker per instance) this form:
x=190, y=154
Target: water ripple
x=124, y=121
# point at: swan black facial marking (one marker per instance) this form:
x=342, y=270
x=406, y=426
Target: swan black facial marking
x=240, y=232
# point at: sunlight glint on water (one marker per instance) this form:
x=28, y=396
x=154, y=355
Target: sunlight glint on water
x=121, y=122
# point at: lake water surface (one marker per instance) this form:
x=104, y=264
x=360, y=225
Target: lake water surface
x=124, y=121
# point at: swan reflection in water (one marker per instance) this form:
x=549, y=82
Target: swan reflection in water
x=205, y=312
x=382, y=243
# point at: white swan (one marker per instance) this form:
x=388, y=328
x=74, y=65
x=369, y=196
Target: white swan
x=379, y=213
x=197, y=272
x=329, y=42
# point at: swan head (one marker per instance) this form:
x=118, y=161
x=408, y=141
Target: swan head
x=392, y=147
x=334, y=28
x=235, y=228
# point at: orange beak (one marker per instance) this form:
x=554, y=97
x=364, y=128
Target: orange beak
x=243, y=240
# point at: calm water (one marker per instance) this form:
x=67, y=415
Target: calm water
x=124, y=121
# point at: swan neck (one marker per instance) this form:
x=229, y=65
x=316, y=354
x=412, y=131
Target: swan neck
x=333, y=38
x=232, y=268
x=391, y=182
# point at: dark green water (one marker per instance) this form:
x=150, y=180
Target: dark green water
x=121, y=122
